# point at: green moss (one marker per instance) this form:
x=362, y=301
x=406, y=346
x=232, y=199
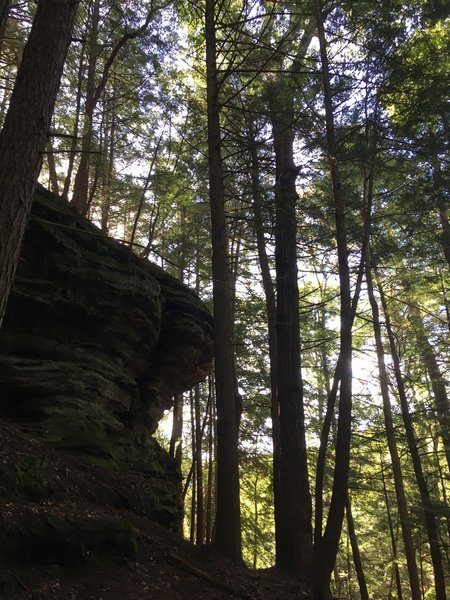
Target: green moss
x=27, y=479
x=49, y=538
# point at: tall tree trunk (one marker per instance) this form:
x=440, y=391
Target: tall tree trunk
x=177, y=430
x=4, y=10
x=392, y=444
x=108, y=163
x=271, y=311
x=294, y=527
x=441, y=400
x=211, y=461
x=25, y=131
x=93, y=93
x=228, y=518
x=76, y=126
x=445, y=224
x=326, y=547
x=427, y=505
x=81, y=184
x=53, y=175
x=200, y=527
x=356, y=553
x=391, y=533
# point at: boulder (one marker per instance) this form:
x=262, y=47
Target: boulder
x=95, y=343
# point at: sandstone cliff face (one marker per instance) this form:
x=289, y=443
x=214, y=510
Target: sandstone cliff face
x=94, y=344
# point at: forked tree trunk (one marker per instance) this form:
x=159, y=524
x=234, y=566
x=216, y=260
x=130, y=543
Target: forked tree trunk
x=25, y=131
x=94, y=91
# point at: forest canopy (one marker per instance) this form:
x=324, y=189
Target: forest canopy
x=290, y=162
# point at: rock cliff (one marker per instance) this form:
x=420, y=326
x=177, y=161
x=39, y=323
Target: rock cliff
x=94, y=345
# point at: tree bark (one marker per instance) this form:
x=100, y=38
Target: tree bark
x=228, y=519
x=4, y=10
x=271, y=311
x=392, y=444
x=200, y=526
x=326, y=547
x=356, y=553
x=93, y=94
x=81, y=183
x=294, y=537
x=391, y=533
x=441, y=400
x=427, y=505
x=53, y=175
x=25, y=131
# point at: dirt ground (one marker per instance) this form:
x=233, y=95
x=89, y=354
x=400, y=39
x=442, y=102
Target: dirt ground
x=162, y=566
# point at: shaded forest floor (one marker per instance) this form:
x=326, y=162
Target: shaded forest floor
x=63, y=537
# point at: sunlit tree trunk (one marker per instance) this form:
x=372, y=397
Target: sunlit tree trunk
x=356, y=553
x=76, y=126
x=175, y=445
x=392, y=534
x=210, y=487
x=200, y=524
x=228, y=520
x=392, y=444
x=25, y=131
x=438, y=386
x=51, y=163
x=192, y=475
x=427, y=505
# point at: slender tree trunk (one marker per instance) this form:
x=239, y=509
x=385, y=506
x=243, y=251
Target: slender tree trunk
x=177, y=427
x=392, y=444
x=391, y=533
x=76, y=127
x=200, y=529
x=228, y=519
x=81, y=184
x=145, y=190
x=25, y=131
x=193, y=474
x=356, y=553
x=441, y=400
x=108, y=168
x=271, y=311
x=255, y=521
x=211, y=461
x=53, y=175
x=427, y=505
x=93, y=94
x=326, y=547
x=4, y=10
